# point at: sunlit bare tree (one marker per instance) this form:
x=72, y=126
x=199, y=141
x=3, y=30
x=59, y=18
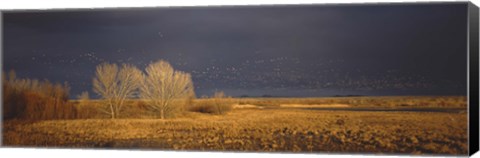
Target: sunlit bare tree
x=115, y=85
x=163, y=87
x=83, y=98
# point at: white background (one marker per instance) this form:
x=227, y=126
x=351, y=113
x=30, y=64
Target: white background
x=89, y=153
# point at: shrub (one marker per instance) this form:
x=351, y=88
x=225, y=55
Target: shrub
x=222, y=103
x=36, y=100
x=218, y=105
x=203, y=107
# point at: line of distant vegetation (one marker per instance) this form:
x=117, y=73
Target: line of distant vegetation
x=279, y=96
x=162, y=90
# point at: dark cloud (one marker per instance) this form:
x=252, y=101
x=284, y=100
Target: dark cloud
x=414, y=49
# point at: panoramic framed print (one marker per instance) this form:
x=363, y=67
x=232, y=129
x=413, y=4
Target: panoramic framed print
x=399, y=79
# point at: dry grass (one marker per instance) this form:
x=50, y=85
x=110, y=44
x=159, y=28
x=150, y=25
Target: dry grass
x=138, y=108
x=246, y=106
x=268, y=129
x=388, y=101
x=315, y=106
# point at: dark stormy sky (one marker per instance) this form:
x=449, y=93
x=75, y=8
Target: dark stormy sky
x=307, y=50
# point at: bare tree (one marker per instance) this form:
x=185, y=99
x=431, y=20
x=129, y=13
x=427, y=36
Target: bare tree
x=115, y=85
x=83, y=98
x=162, y=86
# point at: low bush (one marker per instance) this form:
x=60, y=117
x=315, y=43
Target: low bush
x=203, y=107
x=218, y=105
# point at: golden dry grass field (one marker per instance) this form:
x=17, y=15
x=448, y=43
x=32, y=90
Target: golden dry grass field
x=405, y=125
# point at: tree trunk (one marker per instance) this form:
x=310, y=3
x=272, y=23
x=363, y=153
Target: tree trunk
x=162, y=115
x=112, y=112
